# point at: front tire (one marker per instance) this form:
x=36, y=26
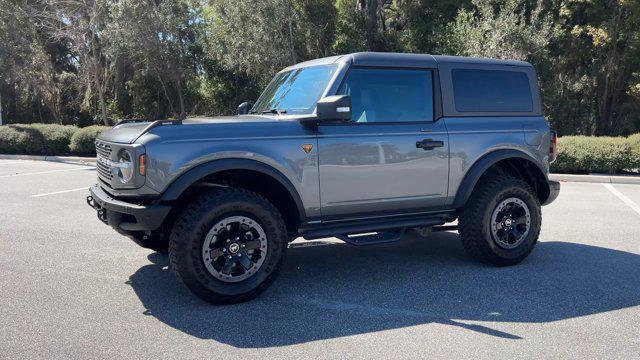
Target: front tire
x=501, y=221
x=228, y=245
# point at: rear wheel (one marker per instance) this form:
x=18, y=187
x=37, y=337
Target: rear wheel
x=227, y=245
x=501, y=221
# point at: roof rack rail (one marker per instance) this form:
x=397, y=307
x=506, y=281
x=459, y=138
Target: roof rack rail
x=155, y=123
x=126, y=121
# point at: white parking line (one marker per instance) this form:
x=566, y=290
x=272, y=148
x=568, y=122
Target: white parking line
x=60, y=192
x=623, y=197
x=46, y=172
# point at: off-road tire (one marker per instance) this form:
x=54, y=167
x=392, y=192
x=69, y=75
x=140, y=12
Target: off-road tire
x=475, y=220
x=191, y=228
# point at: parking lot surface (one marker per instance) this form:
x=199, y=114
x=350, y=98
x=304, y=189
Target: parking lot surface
x=71, y=287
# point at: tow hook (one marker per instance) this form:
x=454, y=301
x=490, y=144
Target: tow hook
x=102, y=215
x=102, y=212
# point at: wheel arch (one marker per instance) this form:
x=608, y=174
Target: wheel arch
x=188, y=179
x=514, y=162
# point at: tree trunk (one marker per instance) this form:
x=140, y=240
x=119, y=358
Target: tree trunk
x=372, y=24
x=183, y=114
x=97, y=70
x=164, y=90
x=611, y=80
x=103, y=105
x=40, y=109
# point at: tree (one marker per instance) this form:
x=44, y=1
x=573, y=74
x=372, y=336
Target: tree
x=422, y=24
x=350, y=20
x=72, y=61
x=369, y=25
x=25, y=63
x=602, y=44
x=509, y=31
x=82, y=24
x=160, y=37
x=260, y=38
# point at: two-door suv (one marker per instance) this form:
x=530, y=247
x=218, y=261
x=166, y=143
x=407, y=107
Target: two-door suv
x=362, y=147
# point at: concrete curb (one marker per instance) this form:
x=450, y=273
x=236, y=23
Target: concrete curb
x=77, y=160
x=597, y=178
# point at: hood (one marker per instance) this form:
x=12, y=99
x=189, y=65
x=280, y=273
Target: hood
x=129, y=132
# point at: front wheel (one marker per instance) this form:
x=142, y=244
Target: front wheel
x=501, y=221
x=227, y=246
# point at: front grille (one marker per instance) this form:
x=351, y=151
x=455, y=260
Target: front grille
x=103, y=150
x=104, y=171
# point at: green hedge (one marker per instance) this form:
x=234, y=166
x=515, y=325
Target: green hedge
x=635, y=146
x=48, y=139
x=36, y=139
x=83, y=141
x=588, y=154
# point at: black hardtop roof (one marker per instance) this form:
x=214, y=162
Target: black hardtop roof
x=406, y=60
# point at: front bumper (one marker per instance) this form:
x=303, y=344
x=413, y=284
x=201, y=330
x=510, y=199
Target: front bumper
x=554, y=191
x=123, y=216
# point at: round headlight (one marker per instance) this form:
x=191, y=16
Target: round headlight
x=124, y=166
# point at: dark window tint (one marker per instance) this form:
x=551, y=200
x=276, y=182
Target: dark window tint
x=389, y=95
x=491, y=91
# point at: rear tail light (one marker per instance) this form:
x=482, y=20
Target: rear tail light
x=553, y=150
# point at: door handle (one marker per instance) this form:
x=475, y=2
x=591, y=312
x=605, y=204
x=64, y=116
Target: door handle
x=429, y=144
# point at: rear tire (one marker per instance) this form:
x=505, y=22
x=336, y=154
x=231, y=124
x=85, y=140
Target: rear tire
x=501, y=221
x=228, y=245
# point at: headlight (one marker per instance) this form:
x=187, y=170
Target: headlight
x=123, y=169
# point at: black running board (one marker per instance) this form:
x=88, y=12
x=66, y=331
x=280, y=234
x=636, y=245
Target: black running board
x=357, y=232
x=378, y=237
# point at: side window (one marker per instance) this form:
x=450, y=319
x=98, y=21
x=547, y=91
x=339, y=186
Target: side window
x=387, y=95
x=491, y=91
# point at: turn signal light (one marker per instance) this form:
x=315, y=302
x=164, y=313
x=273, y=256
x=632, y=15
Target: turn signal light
x=142, y=164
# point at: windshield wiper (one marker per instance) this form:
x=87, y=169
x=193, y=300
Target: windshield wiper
x=275, y=111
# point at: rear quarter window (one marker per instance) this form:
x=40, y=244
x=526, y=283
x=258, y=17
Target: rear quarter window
x=491, y=91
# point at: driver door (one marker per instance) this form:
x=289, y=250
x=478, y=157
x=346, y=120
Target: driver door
x=392, y=157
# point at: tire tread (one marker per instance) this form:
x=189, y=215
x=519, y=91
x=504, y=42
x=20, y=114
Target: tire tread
x=471, y=219
x=189, y=218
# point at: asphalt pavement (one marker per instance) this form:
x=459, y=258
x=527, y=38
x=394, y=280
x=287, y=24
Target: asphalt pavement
x=70, y=287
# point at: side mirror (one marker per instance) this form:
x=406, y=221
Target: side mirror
x=244, y=108
x=336, y=107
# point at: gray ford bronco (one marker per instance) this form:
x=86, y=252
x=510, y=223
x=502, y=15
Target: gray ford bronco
x=362, y=147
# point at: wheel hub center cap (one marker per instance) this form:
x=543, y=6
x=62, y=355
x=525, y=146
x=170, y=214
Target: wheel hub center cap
x=508, y=222
x=234, y=248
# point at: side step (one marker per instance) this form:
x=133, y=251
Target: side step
x=373, y=231
x=373, y=238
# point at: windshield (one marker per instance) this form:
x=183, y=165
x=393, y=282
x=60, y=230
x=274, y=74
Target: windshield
x=295, y=91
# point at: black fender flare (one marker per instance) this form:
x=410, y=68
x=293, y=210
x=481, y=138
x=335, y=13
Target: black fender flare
x=483, y=164
x=184, y=181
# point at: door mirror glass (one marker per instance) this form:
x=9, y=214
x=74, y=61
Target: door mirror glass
x=244, y=108
x=336, y=107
